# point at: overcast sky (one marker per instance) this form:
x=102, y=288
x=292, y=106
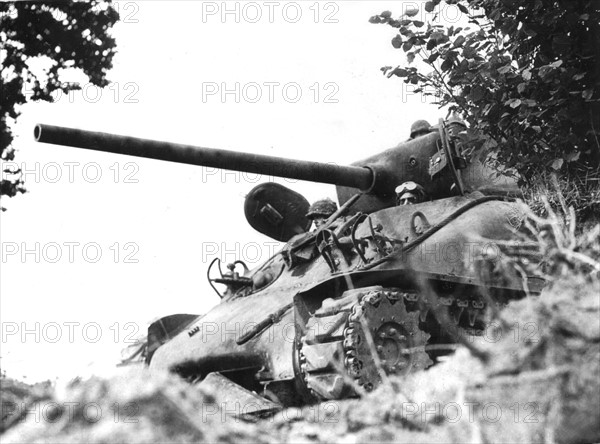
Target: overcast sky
x=310, y=87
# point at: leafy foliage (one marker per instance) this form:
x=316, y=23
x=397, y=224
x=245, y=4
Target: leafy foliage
x=69, y=36
x=525, y=74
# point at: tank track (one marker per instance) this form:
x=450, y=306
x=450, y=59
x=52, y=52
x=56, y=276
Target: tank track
x=336, y=355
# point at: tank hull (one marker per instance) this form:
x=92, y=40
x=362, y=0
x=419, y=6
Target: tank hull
x=458, y=255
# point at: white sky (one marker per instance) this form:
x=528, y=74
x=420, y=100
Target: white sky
x=178, y=217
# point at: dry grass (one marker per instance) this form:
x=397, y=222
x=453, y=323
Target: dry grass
x=566, y=248
x=582, y=194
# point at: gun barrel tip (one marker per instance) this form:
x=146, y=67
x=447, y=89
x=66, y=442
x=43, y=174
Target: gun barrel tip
x=37, y=132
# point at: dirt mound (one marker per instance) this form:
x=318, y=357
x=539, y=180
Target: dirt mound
x=539, y=384
x=548, y=358
x=133, y=407
x=15, y=396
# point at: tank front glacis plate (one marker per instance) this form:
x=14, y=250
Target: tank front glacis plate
x=217, y=332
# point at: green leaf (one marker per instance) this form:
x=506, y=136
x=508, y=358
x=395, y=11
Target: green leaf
x=433, y=57
x=587, y=94
x=417, y=23
x=477, y=93
x=397, y=42
x=406, y=32
x=429, y=6
x=446, y=65
x=410, y=57
x=407, y=46
x=469, y=52
x=437, y=36
x=513, y=103
x=459, y=41
x=386, y=14
x=412, y=12
x=504, y=69
x=462, y=8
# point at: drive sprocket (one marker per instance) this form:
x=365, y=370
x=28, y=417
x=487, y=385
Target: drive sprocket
x=359, y=343
x=380, y=322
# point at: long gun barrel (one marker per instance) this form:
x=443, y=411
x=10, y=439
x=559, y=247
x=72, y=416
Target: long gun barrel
x=348, y=176
x=420, y=160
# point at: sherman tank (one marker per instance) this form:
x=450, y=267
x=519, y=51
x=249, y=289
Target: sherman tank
x=379, y=289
